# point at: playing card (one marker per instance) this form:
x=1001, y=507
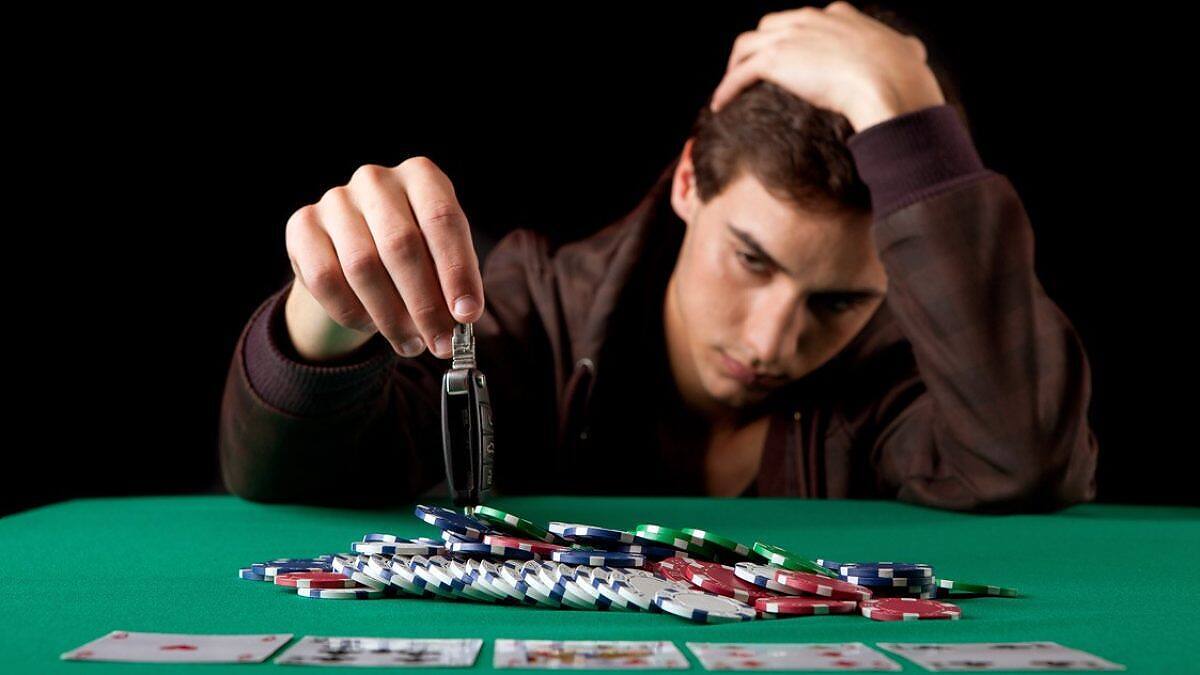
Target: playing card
x=998, y=656
x=122, y=645
x=315, y=650
x=785, y=656
x=588, y=655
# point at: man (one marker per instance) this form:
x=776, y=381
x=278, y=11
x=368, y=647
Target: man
x=825, y=295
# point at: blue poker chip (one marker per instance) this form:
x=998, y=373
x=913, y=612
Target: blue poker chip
x=891, y=582
x=452, y=521
x=598, y=558
x=382, y=537
x=650, y=552
x=250, y=575
x=886, y=570
x=420, y=546
x=827, y=564
x=605, y=537
x=477, y=549
x=284, y=565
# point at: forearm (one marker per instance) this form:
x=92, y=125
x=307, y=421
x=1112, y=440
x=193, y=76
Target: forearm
x=1002, y=418
x=295, y=431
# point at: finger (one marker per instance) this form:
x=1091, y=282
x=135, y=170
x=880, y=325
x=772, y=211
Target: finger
x=792, y=17
x=317, y=269
x=749, y=43
x=739, y=77
x=404, y=253
x=448, y=234
x=364, y=270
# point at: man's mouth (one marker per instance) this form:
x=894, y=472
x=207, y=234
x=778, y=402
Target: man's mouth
x=745, y=374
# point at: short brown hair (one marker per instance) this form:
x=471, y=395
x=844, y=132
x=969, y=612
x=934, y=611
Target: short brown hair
x=795, y=149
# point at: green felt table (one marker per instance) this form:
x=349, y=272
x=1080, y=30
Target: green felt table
x=1117, y=581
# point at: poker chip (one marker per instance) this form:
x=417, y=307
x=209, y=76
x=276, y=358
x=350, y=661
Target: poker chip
x=452, y=521
x=481, y=549
x=512, y=523
x=250, y=575
x=827, y=564
x=443, y=569
x=406, y=575
x=340, y=593
x=521, y=579
x=909, y=609
x=470, y=578
x=781, y=557
x=314, y=580
x=420, y=546
x=815, y=584
x=796, y=605
x=702, y=607
x=671, y=537
x=723, y=545
x=891, y=582
x=597, y=536
x=721, y=580
x=640, y=591
x=647, y=551
x=541, y=548
x=598, y=558
x=972, y=587
x=763, y=576
x=886, y=570
x=273, y=567
x=674, y=569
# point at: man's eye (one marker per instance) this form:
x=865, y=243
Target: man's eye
x=752, y=262
x=838, y=305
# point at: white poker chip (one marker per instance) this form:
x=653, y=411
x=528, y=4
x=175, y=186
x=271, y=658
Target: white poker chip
x=701, y=607
x=640, y=591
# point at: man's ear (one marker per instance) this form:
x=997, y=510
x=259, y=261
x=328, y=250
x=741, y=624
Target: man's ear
x=684, y=199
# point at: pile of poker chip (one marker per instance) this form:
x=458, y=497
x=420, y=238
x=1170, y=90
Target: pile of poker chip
x=488, y=555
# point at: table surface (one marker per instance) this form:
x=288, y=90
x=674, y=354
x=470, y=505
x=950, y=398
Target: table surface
x=1111, y=580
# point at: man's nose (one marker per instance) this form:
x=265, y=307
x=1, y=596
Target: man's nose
x=775, y=326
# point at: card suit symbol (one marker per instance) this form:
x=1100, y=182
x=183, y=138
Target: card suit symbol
x=85, y=654
x=120, y=636
x=752, y=663
x=831, y=653
x=245, y=657
x=846, y=663
x=179, y=648
x=269, y=638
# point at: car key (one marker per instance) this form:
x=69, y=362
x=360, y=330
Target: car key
x=467, y=438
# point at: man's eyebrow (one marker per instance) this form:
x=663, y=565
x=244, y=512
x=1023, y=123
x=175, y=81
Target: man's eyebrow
x=752, y=244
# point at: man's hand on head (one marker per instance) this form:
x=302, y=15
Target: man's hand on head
x=835, y=58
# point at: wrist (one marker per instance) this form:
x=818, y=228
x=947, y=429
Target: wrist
x=315, y=336
x=882, y=101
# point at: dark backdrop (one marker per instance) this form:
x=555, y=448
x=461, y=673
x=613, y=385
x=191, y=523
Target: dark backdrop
x=167, y=158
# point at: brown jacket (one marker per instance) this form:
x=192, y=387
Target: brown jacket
x=968, y=389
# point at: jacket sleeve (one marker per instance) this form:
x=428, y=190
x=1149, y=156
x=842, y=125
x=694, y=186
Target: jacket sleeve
x=362, y=431
x=995, y=419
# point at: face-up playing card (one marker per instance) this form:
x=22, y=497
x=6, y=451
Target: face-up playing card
x=179, y=648
x=315, y=650
x=588, y=655
x=998, y=656
x=785, y=656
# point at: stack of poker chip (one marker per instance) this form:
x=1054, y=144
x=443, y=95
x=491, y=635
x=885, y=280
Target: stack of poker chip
x=491, y=556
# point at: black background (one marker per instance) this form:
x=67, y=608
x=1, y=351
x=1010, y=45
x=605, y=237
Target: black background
x=163, y=162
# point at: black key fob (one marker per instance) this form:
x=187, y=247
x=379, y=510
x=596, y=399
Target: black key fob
x=468, y=443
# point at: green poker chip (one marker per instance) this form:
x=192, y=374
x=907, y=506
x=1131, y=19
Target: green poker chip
x=972, y=587
x=674, y=538
x=511, y=523
x=781, y=557
x=715, y=541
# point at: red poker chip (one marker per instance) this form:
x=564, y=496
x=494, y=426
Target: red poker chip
x=673, y=569
x=825, y=587
x=909, y=609
x=720, y=579
x=794, y=604
x=314, y=580
x=534, y=546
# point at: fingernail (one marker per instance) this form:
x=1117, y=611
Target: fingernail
x=441, y=346
x=412, y=346
x=465, y=306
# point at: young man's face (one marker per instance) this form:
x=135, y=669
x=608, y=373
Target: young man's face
x=763, y=292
